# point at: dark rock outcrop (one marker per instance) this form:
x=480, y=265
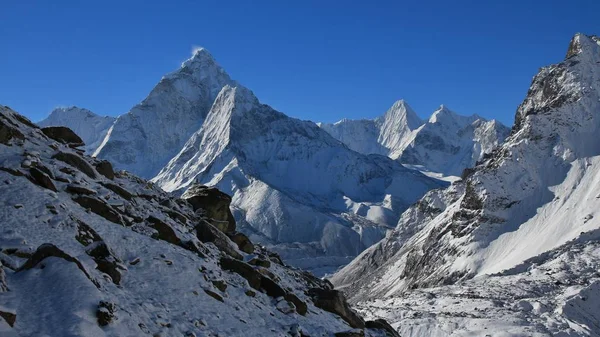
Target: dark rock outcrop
x=77, y=162
x=335, y=302
x=164, y=231
x=105, y=260
x=105, y=313
x=42, y=179
x=99, y=207
x=214, y=204
x=381, y=324
x=123, y=193
x=208, y=233
x=47, y=250
x=8, y=132
x=9, y=317
x=242, y=241
x=64, y=135
x=105, y=168
x=78, y=189
x=244, y=270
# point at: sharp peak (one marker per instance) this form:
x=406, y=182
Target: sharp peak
x=584, y=44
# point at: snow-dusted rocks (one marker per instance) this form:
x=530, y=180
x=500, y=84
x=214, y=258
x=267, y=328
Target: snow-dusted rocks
x=95, y=256
x=86, y=124
x=151, y=133
x=447, y=143
x=529, y=197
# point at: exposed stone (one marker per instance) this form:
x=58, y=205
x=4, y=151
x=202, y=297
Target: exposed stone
x=165, y=232
x=220, y=284
x=242, y=241
x=105, y=313
x=215, y=205
x=105, y=260
x=85, y=234
x=382, y=324
x=48, y=250
x=8, y=132
x=63, y=135
x=300, y=305
x=271, y=287
x=42, y=179
x=76, y=162
x=351, y=333
x=335, y=302
x=214, y=295
x=123, y=193
x=99, y=207
x=78, y=189
x=243, y=269
x=208, y=233
x=105, y=168
x=3, y=283
x=9, y=317
x=260, y=262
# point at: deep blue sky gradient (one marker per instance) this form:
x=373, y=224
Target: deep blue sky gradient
x=317, y=60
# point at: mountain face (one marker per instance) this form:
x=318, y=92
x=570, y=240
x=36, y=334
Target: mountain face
x=90, y=127
x=151, y=133
x=527, y=213
x=86, y=251
x=294, y=187
x=447, y=143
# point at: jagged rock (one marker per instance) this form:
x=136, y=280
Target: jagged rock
x=76, y=162
x=351, y=333
x=85, y=234
x=8, y=132
x=220, y=284
x=300, y=305
x=242, y=241
x=165, y=232
x=244, y=270
x=9, y=317
x=64, y=135
x=47, y=250
x=382, y=324
x=285, y=306
x=42, y=179
x=99, y=207
x=208, y=233
x=260, y=262
x=105, y=168
x=105, y=313
x=123, y=193
x=271, y=287
x=78, y=189
x=335, y=302
x=105, y=260
x=215, y=205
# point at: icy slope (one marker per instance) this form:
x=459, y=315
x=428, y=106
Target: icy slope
x=447, y=143
x=85, y=251
x=534, y=193
x=294, y=187
x=151, y=133
x=86, y=124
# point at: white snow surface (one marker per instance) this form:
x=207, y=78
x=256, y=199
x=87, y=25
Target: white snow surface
x=445, y=144
x=532, y=198
x=89, y=126
x=163, y=286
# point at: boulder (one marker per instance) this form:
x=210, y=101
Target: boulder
x=242, y=241
x=214, y=295
x=301, y=306
x=350, y=333
x=63, y=135
x=382, y=324
x=47, y=250
x=85, y=234
x=123, y=193
x=78, y=189
x=106, y=261
x=208, y=233
x=105, y=168
x=105, y=313
x=335, y=302
x=165, y=232
x=261, y=262
x=99, y=207
x=243, y=269
x=8, y=132
x=42, y=179
x=76, y=162
x=214, y=204
x=9, y=317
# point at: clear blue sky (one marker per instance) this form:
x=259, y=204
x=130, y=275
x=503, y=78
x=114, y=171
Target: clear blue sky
x=317, y=60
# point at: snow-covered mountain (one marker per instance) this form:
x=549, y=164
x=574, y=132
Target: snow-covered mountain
x=86, y=124
x=447, y=143
x=294, y=187
x=151, y=133
x=86, y=251
x=521, y=227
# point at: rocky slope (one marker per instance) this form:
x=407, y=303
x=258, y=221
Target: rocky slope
x=86, y=124
x=86, y=251
x=447, y=143
x=294, y=187
x=536, y=193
